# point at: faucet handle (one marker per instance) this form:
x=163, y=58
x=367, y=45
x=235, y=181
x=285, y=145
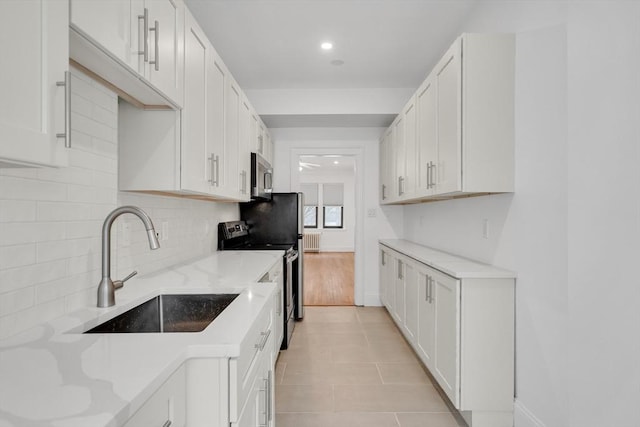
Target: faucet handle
x=117, y=284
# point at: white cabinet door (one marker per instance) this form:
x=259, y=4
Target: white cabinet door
x=385, y=166
x=216, y=75
x=410, y=176
x=398, y=309
x=233, y=99
x=399, y=154
x=449, y=124
x=195, y=168
x=34, y=43
x=426, y=317
x=167, y=406
x=110, y=24
x=427, y=149
x=244, y=150
x=446, y=297
x=164, y=41
x=411, y=300
x=385, y=273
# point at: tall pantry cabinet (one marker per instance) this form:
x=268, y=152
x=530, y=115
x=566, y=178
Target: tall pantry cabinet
x=35, y=95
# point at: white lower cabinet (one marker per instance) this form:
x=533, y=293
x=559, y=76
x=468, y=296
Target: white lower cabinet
x=461, y=328
x=166, y=407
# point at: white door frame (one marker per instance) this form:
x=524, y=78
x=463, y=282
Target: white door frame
x=358, y=155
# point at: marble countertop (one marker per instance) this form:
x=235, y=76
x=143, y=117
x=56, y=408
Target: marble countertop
x=453, y=265
x=53, y=375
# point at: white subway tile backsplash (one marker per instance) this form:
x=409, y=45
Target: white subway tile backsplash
x=13, y=188
x=15, y=301
x=22, y=277
x=63, y=249
x=17, y=233
x=17, y=256
x=17, y=210
x=63, y=211
x=51, y=221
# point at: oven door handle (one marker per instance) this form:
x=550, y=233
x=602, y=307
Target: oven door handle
x=292, y=257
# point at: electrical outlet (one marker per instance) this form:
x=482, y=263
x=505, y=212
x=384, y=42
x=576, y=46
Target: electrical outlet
x=165, y=231
x=371, y=213
x=126, y=234
x=485, y=228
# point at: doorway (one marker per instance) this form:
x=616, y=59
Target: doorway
x=328, y=183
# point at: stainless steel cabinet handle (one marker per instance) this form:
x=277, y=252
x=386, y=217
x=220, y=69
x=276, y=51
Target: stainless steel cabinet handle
x=400, y=186
x=432, y=179
x=431, y=289
x=213, y=159
x=428, y=175
x=67, y=109
x=400, y=276
x=382, y=258
x=145, y=48
x=426, y=287
x=279, y=306
x=156, y=31
x=384, y=190
x=264, y=336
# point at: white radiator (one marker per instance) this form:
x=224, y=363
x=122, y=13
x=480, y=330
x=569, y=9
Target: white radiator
x=311, y=242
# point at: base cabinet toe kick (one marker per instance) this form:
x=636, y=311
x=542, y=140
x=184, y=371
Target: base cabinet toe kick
x=458, y=315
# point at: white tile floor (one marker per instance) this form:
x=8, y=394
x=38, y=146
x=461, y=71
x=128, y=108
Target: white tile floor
x=350, y=367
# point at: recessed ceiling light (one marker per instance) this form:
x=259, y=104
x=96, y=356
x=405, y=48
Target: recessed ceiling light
x=326, y=45
x=335, y=162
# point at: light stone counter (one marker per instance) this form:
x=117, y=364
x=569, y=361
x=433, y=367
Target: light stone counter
x=453, y=265
x=53, y=375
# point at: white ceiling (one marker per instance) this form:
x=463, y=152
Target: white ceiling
x=325, y=164
x=275, y=44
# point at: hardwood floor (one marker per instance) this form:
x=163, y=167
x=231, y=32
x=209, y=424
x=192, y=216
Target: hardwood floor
x=328, y=278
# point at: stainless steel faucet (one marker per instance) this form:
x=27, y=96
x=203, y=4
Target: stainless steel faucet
x=107, y=287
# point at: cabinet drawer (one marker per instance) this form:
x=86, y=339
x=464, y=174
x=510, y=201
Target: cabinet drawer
x=243, y=369
x=166, y=405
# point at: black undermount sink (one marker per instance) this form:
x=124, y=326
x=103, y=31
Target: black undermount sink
x=168, y=313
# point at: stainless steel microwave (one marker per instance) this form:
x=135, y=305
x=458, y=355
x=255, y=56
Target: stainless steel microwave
x=261, y=178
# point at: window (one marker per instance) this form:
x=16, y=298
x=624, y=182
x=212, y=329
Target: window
x=310, y=217
x=332, y=201
x=310, y=192
x=332, y=216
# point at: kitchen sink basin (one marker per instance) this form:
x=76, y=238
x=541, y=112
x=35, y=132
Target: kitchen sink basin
x=168, y=313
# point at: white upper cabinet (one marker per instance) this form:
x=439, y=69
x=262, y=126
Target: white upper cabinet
x=463, y=143
x=233, y=100
x=120, y=40
x=196, y=170
x=35, y=53
x=385, y=166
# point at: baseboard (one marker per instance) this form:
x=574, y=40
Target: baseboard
x=372, y=300
x=523, y=417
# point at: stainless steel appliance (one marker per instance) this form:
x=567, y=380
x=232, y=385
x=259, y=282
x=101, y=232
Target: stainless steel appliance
x=280, y=221
x=235, y=235
x=261, y=178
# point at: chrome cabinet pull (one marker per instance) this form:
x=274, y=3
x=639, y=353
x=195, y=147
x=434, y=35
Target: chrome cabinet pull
x=430, y=290
x=432, y=179
x=156, y=33
x=400, y=276
x=384, y=190
x=145, y=19
x=400, y=186
x=264, y=336
x=213, y=160
x=426, y=287
x=67, y=109
x=428, y=175
x=382, y=259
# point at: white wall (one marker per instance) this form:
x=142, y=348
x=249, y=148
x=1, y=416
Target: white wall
x=572, y=226
x=337, y=239
x=387, y=222
x=51, y=220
